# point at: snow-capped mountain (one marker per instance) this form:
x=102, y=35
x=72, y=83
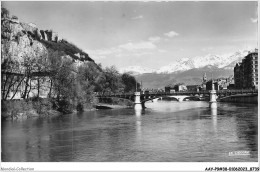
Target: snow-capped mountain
x=224, y=61
x=227, y=61
x=136, y=70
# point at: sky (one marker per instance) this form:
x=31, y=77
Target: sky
x=147, y=34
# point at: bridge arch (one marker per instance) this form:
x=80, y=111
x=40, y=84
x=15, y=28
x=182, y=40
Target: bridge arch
x=177, y=97
x=197, y=98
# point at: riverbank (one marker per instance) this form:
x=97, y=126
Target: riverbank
x=37, y=107
x=114, y=103
x=109, y=106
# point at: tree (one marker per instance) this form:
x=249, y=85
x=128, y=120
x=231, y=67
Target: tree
x=11, y=78
x=42, y=68
x=113, y=81
x=12, y=74
x=129, y=82
x=62, y=76
x=28, y=66
x=87, y=79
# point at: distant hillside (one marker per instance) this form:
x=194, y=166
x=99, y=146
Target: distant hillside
x=154, y=80
x=189, y=77
x=136, y=70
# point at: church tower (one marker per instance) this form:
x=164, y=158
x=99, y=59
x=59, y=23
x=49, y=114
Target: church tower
x=204, y=81
x=204, y=78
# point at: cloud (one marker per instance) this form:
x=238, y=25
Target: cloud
x=154, y=39
x=141, y=54
x=171, y=34
x=162, y=51
x=207, y=49
x=95, y=56
x=134, y=54
x=137, y=46
x=103, y=53
x=134, y=48
x=138, y=17
x=254, y=20
x=106, y=51
x=131, y=48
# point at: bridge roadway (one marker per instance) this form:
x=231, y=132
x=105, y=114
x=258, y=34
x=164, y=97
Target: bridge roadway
x=180, y=96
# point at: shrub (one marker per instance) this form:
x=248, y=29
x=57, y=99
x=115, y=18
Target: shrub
x=13, y=107
x=64, y=106
x=80, y=107
x=41, y=105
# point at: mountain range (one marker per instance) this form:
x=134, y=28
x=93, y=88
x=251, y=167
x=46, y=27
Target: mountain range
x=187, y=70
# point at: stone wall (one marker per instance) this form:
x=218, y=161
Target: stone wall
x=243, y=98
x=49, y=35
x=43, y=35
x=54, y=37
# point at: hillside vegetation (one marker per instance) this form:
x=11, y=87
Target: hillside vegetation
x=69, y=48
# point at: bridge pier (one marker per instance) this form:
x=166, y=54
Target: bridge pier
x=138, y=103
x=180, y=99
x=213, y=98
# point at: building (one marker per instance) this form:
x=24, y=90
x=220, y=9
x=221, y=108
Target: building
x=169, y=89
x=221, y=83
x=175, y=88
x=209, y=85
x=231, y=86
x=246, y=72
x=238, y=76
x=195, y=88
x=204, y=81
x=180, y=87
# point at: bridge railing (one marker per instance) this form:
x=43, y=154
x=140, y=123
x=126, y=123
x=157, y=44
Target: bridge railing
x=242, y=91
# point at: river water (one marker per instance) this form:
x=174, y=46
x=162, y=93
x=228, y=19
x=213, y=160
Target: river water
x=167, y=131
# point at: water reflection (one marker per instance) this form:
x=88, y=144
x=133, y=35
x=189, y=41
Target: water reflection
x=214, y=117
x=138, y=115
x=138, y=112
x=247, y=130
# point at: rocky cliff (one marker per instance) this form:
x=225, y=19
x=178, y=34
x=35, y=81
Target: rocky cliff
x=25, y=39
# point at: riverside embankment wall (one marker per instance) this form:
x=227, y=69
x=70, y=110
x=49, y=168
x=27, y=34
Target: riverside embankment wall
x=241, y=98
